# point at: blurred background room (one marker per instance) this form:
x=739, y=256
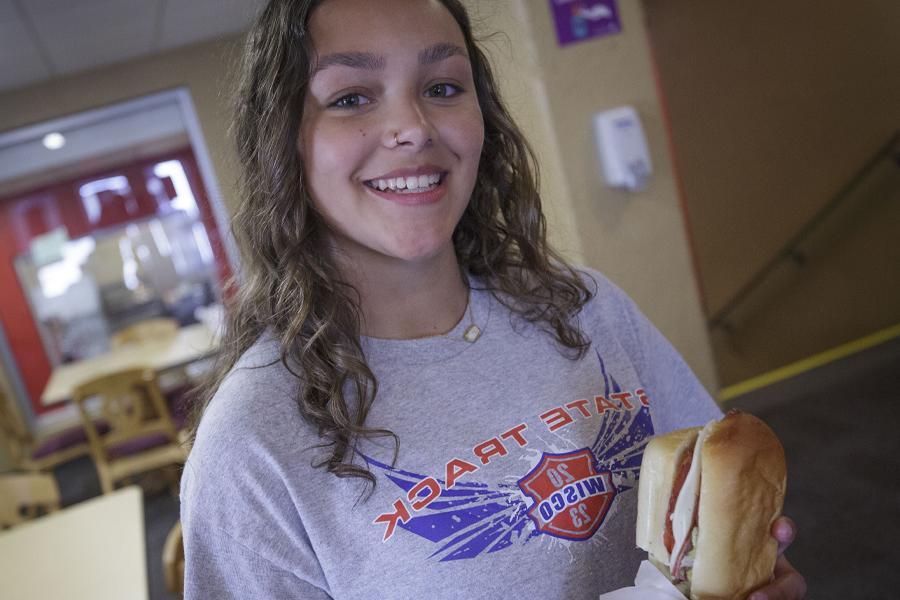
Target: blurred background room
x=760, y=231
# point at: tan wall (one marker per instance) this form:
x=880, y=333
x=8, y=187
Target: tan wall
x=849, y=288
x=517, y=70
x=639, y=239
x=774, y=106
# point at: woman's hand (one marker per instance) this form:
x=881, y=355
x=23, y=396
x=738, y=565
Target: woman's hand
x=788, y=584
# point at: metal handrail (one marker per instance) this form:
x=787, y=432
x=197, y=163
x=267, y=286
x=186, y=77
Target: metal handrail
x=891, y=149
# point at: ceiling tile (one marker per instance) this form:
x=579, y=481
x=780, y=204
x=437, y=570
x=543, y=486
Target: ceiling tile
x=76, y=35
x=8, y=11
x=89, y=33
x=20, y=60
x=188, y=22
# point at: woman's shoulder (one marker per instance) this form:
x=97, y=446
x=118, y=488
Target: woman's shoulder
x=612, y=314
x=255, y=406
x=259, y=380
x=608, y=303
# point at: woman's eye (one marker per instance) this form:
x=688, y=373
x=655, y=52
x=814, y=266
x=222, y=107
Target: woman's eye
x=443, y=90
x=350, y=101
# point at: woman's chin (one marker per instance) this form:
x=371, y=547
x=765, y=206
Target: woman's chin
x=417, y=254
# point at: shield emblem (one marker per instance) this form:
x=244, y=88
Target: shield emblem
x=571, y=497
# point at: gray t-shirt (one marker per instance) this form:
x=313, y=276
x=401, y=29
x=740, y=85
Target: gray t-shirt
x=516, y=476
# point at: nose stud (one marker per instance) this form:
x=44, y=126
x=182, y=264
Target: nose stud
x=397, y=141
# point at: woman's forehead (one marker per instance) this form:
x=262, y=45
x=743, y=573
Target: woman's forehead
x=382, y=27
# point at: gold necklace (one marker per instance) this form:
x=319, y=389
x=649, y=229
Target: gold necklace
x=472, y=332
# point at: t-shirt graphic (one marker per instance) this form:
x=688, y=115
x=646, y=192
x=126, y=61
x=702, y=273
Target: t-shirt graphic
x=565, y=494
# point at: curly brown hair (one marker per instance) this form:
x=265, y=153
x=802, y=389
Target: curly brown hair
x=289, y=286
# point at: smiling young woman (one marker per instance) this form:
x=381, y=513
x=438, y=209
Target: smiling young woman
x=416, y=396
x=384, y=112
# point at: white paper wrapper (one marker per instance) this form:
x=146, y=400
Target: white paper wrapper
x=649, y=584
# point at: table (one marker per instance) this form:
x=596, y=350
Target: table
x=93, y=550
x=190, y=344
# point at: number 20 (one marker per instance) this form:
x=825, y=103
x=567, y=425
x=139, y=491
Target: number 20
x=560, y=476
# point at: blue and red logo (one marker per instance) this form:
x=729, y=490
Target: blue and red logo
x=571, y=498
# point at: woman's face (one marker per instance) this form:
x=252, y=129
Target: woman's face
x=391, y=133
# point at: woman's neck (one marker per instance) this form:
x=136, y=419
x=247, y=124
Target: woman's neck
x=401, y=300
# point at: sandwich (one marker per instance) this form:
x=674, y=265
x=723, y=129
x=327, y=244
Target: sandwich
x=707, y=498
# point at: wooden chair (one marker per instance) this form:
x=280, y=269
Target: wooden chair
x=43, y=452
x=25, y=496
x=141, y=434
x=174, y=383
x=159, y=328
x=173, y=560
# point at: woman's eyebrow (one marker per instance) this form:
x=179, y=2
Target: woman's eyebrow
x=376, y=62
x=439, y=52
x=355, y=60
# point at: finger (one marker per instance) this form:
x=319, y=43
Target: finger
x=784, y=530
x=788, y=584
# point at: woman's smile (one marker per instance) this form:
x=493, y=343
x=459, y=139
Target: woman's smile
x=413, y=186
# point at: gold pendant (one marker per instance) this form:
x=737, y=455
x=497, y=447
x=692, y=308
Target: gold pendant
x=472, y=333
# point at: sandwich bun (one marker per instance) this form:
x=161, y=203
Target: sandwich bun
x=742, y=482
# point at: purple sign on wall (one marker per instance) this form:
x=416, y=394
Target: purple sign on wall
x=579, y=20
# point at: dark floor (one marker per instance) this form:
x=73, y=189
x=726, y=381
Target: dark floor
x=839, y=426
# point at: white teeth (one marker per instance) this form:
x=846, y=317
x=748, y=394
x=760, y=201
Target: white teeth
x=413, y=183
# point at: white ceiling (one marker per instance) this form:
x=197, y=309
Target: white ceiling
x=43, y=39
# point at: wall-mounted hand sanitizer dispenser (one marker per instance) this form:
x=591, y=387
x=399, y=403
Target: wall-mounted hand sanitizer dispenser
x=622, y=146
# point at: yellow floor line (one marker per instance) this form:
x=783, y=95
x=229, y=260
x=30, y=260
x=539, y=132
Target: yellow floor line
x=754, y=383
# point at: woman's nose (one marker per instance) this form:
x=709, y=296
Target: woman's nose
x=409, y=126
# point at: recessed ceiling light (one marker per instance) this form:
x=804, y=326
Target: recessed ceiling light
x=54, y=141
